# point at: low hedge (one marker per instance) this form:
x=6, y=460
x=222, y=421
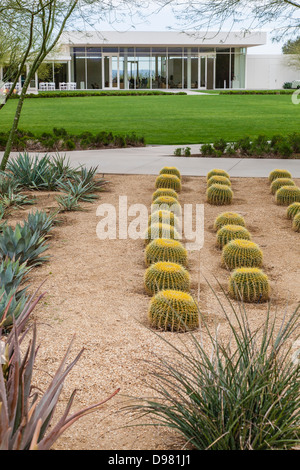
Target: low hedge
x=73, y=94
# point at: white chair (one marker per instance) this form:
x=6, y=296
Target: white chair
x=51, y=86
x=63, y=86
x=71, y=86
x=43, y=86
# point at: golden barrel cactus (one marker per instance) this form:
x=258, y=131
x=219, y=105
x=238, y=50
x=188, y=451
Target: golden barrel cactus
x=242, y=253
x=218, y=179
x=296, y=223
x=279, y=182
x=217, y=172
x=293, y=210
x=164, y=217
x=164, y=192
x=286, y=195
x=161, y=231
x=169, y=182
x=228, y=218
x=279, y=173
x=170, y=170
x=165, y=275
x=166, y=249
x=167, y=203
x=231, y=232
x=219, y=195
x=249, y=285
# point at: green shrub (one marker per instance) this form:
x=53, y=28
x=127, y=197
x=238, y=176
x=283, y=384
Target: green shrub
x=165, y=249
x=220, y=145
x=219, y=195
x=249, y=285
x=231, y=232
x=242, y=253
x=207, y=150
x=165, y=275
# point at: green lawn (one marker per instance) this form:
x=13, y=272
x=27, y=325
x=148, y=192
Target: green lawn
x=161, y=119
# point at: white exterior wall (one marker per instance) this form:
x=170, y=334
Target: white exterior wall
x=269, y=72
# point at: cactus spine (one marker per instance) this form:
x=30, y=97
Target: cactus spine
x=241, y=253
x=249, y=285
x=165, y=249
x=165, y=275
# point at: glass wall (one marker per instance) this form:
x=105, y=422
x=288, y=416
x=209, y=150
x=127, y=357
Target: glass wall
x=238, y=68
x=94, y=68
x=223, y=67
x=159, y=67
x=175, y=70
x=143, y=79
x=79, y=64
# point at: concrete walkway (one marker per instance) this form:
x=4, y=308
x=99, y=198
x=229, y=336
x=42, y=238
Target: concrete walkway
x=149, y=160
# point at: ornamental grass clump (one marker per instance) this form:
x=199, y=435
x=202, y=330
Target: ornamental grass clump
x=228, y=218
x=241, y=253
x=161, y=231
x=279, y=182
x=169, y=182
x=278, y=173
x=172, y=310
x=219, y=195
x=167, y=203
x=217, y=172
x=218, y=179
x=234, y=391
x=165, y=249
x=293, y=210
x=231, y=232
x=170, y=170
x=249, y=285
x=296, y=223
x=286, y=195
x=165, y=275
x=164, y=192
x=164, y=217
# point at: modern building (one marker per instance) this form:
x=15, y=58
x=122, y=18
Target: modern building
x=162, y=60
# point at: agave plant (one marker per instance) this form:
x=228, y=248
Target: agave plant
x=68, y=203
x=22, y=245
x=12, y=303
x=40, y=221
x=12, y=274
x=25, y=415
x=79, y=190
x=62, y=168
x=14, y=199
x=86, y=176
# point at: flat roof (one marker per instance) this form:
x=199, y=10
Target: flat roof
x=163, y=38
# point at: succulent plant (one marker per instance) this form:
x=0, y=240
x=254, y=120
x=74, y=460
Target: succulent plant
x=165, y=275
x=166, y=249
x=11, y=306
x=296, y=223
x=219, y=194
x=164, y=217
x=242, y=253
x=231, y=232
x=172, y=310
x=277, y=173
x=12, y=274
x=164, y=192
x=40, y=221
x=168, y=181
x=217, y=172
x=161, y=231
x=218, y=179
x=167, y=203
x=286, y=195
x=228, y=218
x=249, y=285
x=293, y=210
x=170, y=170
x=279, y=182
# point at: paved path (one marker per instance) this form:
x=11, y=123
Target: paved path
x=150, y=160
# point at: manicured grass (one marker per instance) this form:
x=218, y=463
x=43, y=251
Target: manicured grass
x=161, y=119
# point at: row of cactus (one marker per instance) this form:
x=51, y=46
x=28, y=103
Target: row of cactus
x=166, y=278
x=219, y=192
x=286, y=194
x=241, y=255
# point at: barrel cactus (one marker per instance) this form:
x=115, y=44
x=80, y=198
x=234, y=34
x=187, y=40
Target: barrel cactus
x=170, y=170
x=218, y=179
x=296, y=223
x=293, y=210
x=168, y=181
x=217, y=172
x=279, y=182
x=165, y=275
x=228, y=218
x=231, y=232
x=286, y=195
x=161, y=231
x=242, y=253
x=277, y=173
x=249, y=285
x=172, y=310
x=167, y=203
x=163, y=217
x=164, y=192
x=219, y=194
x=166, y=249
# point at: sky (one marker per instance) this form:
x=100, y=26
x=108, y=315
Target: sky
x=165, y=20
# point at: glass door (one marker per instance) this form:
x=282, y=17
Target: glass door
x=207, y=71
x=111, y=74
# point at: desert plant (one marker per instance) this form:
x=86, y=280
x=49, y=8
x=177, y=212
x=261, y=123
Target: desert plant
x=12, y=274
x=165, y=249
x=249, y=285
x=242, y=253
x=172, y=310
x=286, y=195
x=12, y=200
x=279, y=173
x=11, y=307
x=165, y=275
x=293, y=210
x=168, y=181
x=22, y=245
x=170, y=170
x=219, y=195
x=231, y=232
x=40, y=221
x=296, y=222
x=223, y=395
x=79, y=189
x=163, y=217
x=87, y=177
x=164, y=192
x=62, y=167
x=67, y=203
x=217, y=172
x=228, y=218
x=167, y=203
x=279, y=182
x=218, y=179
x=161, y=231
x=26, y=414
